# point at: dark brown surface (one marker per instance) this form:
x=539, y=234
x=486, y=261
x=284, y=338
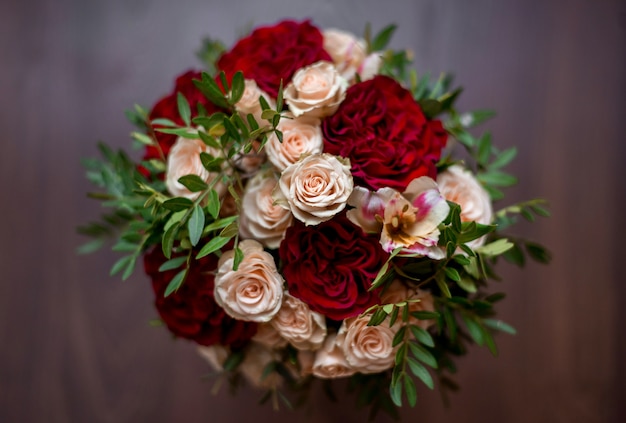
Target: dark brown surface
x=75, y=345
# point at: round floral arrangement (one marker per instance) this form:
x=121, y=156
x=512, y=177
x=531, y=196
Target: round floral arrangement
x=307, y=207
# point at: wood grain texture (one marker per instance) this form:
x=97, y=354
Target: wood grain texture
x=75, y=345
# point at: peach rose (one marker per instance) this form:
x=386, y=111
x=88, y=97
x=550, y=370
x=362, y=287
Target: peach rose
x=301, y=137
x=350, y=55
x=303, y=328
x=315, y=188
x=368, y=348
x=269, y=337
x=256, y=358
x=184, y=159
x=260, y=217
x=215, y=355
x=249, y=102
x=254, y=291
x=460, y=186
x=398, y=292
x=315, y=90
x=330, y=361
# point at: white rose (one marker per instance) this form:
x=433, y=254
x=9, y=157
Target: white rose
x=315, y=90
x=350, y=55
x=460, y=186
x=330, y=361
x=368, y=349
x=249, y=102
x=254, y=291
x=315, y=188
x=303, y=328
x=260, y=217
x=256, y=358
x=398, y=292
x=184, y=159
x=301, y=137
x=215, y=355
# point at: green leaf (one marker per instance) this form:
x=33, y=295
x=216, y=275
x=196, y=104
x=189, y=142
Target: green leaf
x=399, y=336
x=230, y=230
x=181, y=132
x=467, y=285
x=377, y=318
x=394, y=316
x=423, y=355
x=125, y=246
x=410, y=391
x=381, y=40
x=183, y=108
x=425, y=315
x=421, y=372
x=175, y=283
x=130, y=267
x=395, y=391
x=388, y=308
x=279, y=98
x=219, y=224
x=120, y=264
x=177, y=204
x=499, y=325
x=238, y=258
x=443, y=286
x=503, y=158
x=174, y=263
x=212, y=246
x=422, y=335
x=238, y=87
x=193, y=183
x=211, y=90
x=497, y=178
x=452, y=274
x=163, y=122
x=213, y=204
x=484, y=149
x=167, y=242
x=495, y=248
x=489, y=342
x=195, y=224
x=234, y=360
x=142, y=138
x=90, y=246
x=538, y=252
x=474, y=329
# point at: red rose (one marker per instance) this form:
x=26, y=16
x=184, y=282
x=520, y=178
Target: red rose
x=331, y=266
x=273, y=53
x=167, y=108
x=384, y=133
x=192, y=312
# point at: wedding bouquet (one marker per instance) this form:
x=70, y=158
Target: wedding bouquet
x=307, y=207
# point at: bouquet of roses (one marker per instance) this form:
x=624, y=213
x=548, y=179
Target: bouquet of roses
x=303, y=213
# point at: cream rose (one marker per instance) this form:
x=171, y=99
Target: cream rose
x=260, y=217
x=349, y=55
x=184, y=159
x=249, y=102
x=301, y=137
x=315, y=188
x=460, y=186
x=215, y=355
x=330, y=361
x=398, y=292
x=257, y=357
x=303, y=328
x=368, y=349
x=254, y=291
x=315, y=90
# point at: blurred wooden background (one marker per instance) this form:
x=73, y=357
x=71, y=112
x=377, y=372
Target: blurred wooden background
x=75, y=345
